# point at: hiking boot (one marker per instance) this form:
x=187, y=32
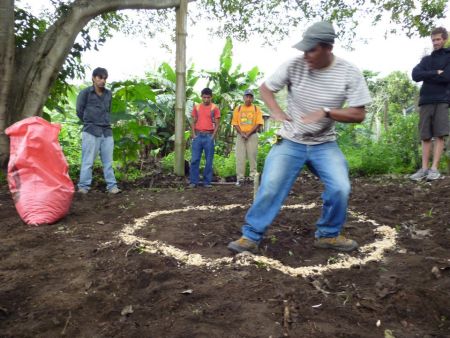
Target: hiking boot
x=419, y=175
x=192, y=185
x=83, y=191
x=114, y=191
x=243, y=244
x=208, y=186
x=337, y=243
x=433, y=174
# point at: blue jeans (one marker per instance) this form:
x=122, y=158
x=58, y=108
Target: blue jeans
x=202, y=142
x=283, y=164
x=90, y=147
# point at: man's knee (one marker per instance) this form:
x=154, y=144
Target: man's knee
x=340, y=190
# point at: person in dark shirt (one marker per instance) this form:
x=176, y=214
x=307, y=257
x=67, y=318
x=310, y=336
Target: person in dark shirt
x=93, y=109
x=434, y=71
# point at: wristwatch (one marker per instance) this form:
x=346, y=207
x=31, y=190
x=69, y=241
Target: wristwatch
x=327, y=112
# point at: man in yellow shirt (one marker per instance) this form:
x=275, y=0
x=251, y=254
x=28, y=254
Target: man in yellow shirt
x=247, y=119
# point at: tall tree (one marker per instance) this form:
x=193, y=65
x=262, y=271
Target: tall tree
x=27, y=74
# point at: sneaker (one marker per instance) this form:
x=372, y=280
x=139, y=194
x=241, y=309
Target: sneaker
x=243, y=244
x=238, y=183
x=433, y=174
x=419, y=175
x=114, y=191
x=192, y=185
x=337, y=243
x=208, y=186
x=83, y=191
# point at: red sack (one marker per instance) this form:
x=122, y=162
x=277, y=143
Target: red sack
x=38, y=172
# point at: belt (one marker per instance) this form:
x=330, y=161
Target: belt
x=204, y=132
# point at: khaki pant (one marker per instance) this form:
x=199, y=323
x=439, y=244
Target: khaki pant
x=246, y=149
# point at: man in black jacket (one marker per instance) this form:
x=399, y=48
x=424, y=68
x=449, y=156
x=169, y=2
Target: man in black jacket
x=434, y=71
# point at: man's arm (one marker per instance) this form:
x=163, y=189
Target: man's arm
x=269, y=99
x=194, y=121
x=239, y=131
x=346, y=115
x=216, y=126
x=81, y=104
x=254, y=129
x=422, y=73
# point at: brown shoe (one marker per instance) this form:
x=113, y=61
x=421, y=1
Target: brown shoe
x=243, y=244
x=337, y=243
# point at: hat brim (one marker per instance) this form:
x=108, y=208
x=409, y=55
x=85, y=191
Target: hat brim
x=306, y=45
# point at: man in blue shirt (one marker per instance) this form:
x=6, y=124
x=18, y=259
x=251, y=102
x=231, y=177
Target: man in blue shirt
x=93, y=109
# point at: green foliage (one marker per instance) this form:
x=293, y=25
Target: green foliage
x=130, y=138
x=242, y=19
x=168, y=161
x=265, y=143
x=224, y=166
x=395, y=151
x=387, y=141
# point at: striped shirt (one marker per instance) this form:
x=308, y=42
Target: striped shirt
x=310, y=90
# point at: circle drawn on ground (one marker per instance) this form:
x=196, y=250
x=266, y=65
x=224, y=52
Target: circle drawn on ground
x=370, y=252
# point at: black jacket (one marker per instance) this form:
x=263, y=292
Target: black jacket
x=435, y=88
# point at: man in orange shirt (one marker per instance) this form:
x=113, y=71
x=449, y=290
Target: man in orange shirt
x=247, y=119
x=205, y=123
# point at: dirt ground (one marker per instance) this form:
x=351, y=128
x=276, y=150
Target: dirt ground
x=77, y=278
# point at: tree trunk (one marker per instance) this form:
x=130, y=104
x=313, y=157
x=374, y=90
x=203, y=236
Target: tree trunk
x=6, y=69
x=386, y=110
x=180, y=94
x=27, y=79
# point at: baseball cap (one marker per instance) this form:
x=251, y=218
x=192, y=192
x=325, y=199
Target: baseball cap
x=322, y=31
x=249, y=92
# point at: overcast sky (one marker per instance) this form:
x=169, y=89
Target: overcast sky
x=126, y=57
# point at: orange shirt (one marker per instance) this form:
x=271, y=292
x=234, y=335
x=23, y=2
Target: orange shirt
x=247, y=117
x=204, y=116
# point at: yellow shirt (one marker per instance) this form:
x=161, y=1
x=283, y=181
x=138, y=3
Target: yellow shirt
x=247, y=117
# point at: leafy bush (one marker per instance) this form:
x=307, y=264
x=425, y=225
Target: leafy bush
x=168, y=161
x=396, y=151
x=225, y=166
x=265, y=142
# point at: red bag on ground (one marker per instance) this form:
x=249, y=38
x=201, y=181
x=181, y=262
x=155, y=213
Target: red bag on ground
x=38, y=172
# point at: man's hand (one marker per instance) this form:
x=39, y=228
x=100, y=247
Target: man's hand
x=313, y=117
x=280, y=116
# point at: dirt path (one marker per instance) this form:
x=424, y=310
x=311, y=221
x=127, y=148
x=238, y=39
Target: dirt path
x=79, y=279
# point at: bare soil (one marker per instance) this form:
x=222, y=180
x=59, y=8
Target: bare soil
x=76, y=278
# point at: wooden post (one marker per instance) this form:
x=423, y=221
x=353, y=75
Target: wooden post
x=386, y=109
x=447, y=156
x=180, y=91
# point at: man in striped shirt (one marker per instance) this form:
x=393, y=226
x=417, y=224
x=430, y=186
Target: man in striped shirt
x=319, y=85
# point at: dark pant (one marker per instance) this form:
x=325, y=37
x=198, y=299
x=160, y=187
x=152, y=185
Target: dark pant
x=433, y=121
